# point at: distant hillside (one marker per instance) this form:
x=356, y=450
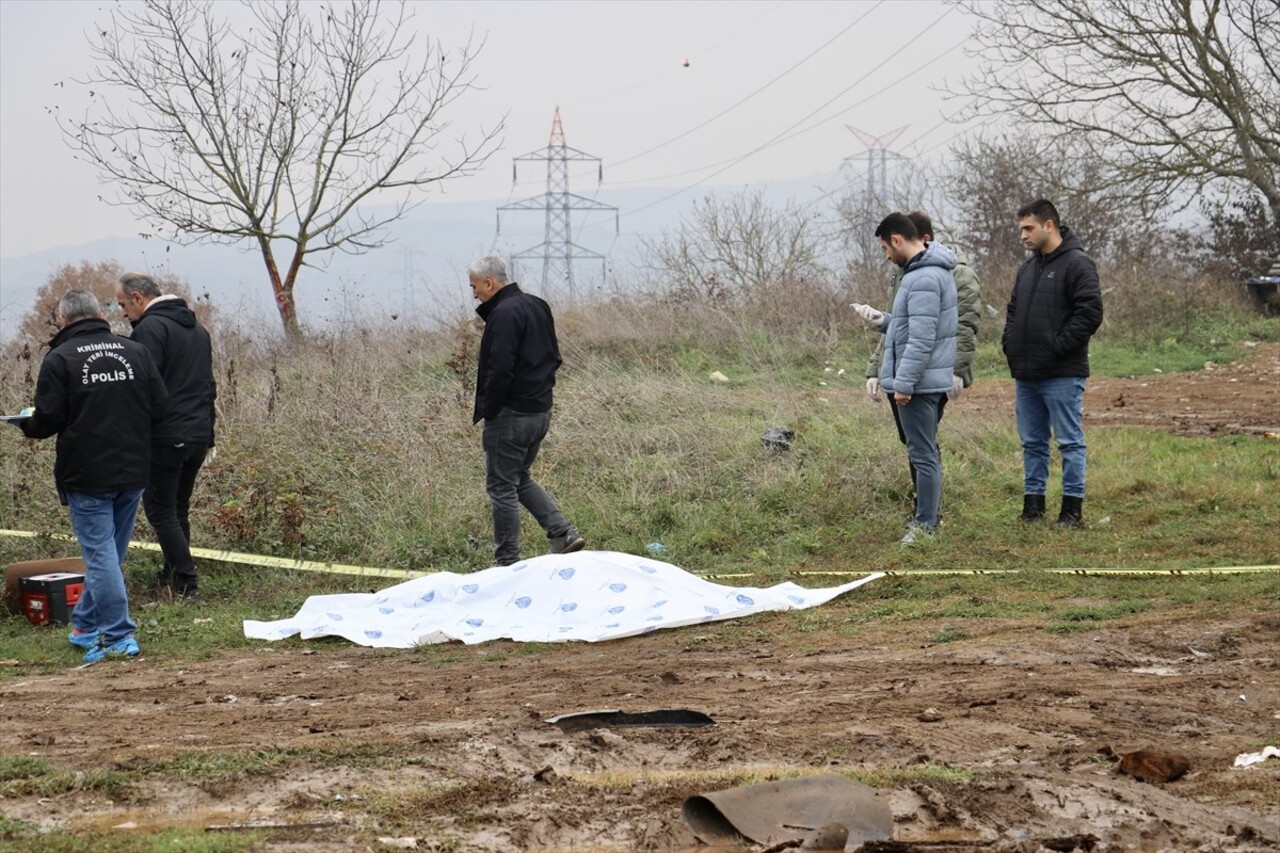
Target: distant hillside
x=421, y=269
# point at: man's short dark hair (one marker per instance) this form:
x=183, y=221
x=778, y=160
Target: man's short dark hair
x=897, y=223
x=922, y=222
x=1043, y=210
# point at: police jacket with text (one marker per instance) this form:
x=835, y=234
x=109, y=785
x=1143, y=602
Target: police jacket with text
x=101, y=395
x=519, y=354
x=1055, y=307
x=180, y=347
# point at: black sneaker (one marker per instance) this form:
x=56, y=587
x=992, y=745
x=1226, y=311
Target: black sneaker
x=162, y=583
x=185, y=588
x=566, y=543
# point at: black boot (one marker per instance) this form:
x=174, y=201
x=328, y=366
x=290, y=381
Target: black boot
x=1032, y=508
x=1072, y=514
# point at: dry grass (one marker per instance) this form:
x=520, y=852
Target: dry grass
x=358, y=447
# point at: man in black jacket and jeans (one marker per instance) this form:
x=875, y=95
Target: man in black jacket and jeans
x=517, y=367
x=1055, y=307
x=101, y=395
x=180, y=347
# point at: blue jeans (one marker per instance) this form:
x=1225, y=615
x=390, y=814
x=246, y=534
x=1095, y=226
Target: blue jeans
x=103, y=522
x=919, y=422
x=511, y=441
x=1056, y=403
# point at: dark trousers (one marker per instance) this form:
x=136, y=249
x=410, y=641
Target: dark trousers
x=511, y=441
x=167, y=503
x=902, y=437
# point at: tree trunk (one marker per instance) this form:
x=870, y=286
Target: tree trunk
x=283, y=290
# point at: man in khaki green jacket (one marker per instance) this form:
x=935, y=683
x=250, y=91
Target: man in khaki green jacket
x=968, y=290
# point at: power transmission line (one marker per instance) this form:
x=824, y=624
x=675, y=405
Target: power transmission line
x=780, y=136
x=676, y=70
x=778, y=140
x=743, y=100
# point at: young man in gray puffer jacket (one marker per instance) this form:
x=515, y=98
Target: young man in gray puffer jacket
x=919, y=354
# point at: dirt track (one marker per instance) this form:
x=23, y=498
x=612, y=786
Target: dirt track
x=1240, y=398
x=1026, y=712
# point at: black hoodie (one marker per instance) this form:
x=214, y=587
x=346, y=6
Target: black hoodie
x=101, y=395
x=1055, y=307
x=180, y=348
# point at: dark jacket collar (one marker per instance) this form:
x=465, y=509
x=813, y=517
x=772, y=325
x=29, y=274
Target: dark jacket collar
x=87, y=326
x=484, y=309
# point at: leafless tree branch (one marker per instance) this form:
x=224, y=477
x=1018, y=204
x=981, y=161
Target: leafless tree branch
x=1174, y=94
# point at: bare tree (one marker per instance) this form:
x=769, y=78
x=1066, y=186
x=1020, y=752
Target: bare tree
x=1174, y=94
x=736, y=245
x=992, y=176
x=286, y=133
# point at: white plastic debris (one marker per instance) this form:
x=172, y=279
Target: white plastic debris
x=717, y=376
x=1244, y=759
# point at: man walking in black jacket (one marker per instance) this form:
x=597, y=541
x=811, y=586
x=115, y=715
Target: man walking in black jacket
x=517, y=367
x=1055, y=307
x=180, y=347
x=101, y=395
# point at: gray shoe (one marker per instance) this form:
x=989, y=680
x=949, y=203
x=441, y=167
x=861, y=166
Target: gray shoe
x=566, y=543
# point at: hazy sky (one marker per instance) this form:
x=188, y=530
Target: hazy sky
x=616, y=70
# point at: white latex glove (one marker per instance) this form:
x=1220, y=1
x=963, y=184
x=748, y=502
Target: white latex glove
x=873, y=389
x=211, y=455
x=957, y=388
x=869, y=315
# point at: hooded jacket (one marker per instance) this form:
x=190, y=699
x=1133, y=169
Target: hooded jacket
x=180, y=347
x=920, y=332
x=519, y=354
x=969, y=294
x=101, y=395
x=1055, y=307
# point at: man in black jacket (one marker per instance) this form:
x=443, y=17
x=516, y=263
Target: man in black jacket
x=517, y=367
x=101, y=395
x=1055, y=307
x=180, y=347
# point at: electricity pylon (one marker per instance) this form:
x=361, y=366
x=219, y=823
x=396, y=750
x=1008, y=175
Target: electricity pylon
x=557, y=250
x=864, y=213
x=877, y=156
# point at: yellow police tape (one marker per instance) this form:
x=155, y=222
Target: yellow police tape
x=249, y=559
x=405, y=574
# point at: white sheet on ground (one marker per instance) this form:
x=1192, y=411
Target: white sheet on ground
x=590, y=595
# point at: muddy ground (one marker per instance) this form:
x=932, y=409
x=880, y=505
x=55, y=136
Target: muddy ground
x=1238, y=398
x=348, y=745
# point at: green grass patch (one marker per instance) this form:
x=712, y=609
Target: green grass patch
x=29, y=775
x=645, y=448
